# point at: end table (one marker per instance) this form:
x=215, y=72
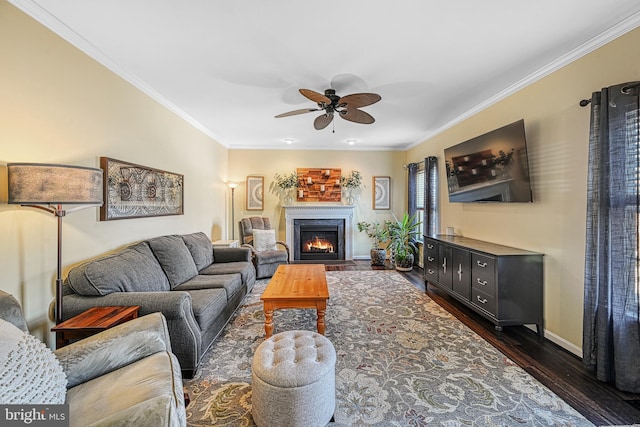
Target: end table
x=92, y=321
x=225, y=244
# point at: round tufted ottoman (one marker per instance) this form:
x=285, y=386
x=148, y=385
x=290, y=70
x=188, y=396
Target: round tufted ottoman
x=293, y=376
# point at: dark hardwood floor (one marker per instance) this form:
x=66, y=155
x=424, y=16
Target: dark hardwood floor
x=559, y=370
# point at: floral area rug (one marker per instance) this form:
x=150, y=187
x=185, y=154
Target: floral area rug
x=402, y=360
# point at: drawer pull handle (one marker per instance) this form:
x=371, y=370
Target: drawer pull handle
x=481, y=264
x=431, y=271
x=482, y=282
x=429, y=246
x=459, y=272
x=444, y=265
x=483, y=301
x=430, y=258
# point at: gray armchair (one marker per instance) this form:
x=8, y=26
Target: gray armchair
x=123, y=376
x=265, y=260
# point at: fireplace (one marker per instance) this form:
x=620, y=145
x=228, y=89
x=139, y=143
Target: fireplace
x=323, y=212
x=318, y=239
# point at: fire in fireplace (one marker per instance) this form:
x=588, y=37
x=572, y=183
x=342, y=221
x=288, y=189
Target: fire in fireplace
x=318, y=244
x=318, y=239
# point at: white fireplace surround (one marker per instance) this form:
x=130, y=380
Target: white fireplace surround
x=293, y=212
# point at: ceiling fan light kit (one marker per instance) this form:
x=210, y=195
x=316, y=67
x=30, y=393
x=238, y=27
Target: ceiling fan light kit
x=347, y=107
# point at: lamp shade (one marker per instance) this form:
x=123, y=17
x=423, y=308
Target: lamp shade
x=39, y=183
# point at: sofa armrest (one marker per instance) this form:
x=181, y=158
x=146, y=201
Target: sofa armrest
x=176, y=306
x=250, y=247
x=286, y=248
x=172, y=304
x=114, y=348
x=231, y=254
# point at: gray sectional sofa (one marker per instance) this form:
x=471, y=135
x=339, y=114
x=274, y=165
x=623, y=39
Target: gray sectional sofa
x=195, y=286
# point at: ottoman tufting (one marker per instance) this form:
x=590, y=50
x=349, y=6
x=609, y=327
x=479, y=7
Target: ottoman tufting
x=293, y=375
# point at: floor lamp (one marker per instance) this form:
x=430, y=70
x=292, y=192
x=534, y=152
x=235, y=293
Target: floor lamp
x=232, y=186
x=50, y=187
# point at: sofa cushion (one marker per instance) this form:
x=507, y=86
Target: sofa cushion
x=146, y=392
x=264, y=240
x=174, y=257
x=133, y=269
x=231, y=283
x=246, y=270
x=200, y=247
x=29, y=371
x=208, y=305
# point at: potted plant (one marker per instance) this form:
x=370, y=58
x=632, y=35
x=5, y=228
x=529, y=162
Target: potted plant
x=402, y=240
x=286, y=183
x=378, y=234
x=351, y=182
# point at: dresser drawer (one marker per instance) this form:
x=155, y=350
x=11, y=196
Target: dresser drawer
x=483, y=300
x=431, y=273
x=484, y=285
x=430, y=260
x=483, y=266
x=430, y=249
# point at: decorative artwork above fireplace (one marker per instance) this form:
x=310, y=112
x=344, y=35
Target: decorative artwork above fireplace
x=319, y=185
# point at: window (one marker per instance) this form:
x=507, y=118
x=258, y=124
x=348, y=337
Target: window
x=423, y=195
x=419, y=197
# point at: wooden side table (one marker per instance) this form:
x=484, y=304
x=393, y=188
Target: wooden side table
x=92, y=321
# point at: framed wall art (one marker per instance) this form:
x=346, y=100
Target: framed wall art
x=255, y=187
x=134, y=191
x=381, y=192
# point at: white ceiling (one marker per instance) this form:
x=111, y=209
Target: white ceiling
x=229, y=67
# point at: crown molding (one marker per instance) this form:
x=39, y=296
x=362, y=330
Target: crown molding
x=618, y=30
x=41, y=15
x=33, y=9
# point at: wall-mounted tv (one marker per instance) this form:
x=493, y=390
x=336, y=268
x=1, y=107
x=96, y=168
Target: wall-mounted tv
x=490, y=168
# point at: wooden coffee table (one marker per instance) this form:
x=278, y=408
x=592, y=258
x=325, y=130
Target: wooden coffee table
x=296, y=286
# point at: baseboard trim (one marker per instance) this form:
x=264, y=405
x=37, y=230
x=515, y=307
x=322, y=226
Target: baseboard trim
x=560, y=342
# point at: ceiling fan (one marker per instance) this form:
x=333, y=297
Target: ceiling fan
x=346, y=107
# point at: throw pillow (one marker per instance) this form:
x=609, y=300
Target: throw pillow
x=264, y=240
x=29, y=371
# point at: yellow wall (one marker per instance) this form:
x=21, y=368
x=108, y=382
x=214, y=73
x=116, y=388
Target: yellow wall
x=269, y=162
x=557, y=131
x=59, y=106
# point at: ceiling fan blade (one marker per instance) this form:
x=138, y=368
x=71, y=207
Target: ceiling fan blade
x=316, y=97
x=322, y=121
x=357, y=116
x=296, y=112
x=358, y=100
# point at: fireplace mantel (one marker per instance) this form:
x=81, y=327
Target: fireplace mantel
x=323, y=211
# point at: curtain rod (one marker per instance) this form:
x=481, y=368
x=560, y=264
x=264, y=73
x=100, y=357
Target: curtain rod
x=625, y=89
x=405, y=166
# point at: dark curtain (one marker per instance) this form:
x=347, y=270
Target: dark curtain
x=432, y=215
x=611, y=337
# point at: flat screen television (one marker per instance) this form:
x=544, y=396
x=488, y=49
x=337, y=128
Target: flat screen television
x=493, y=167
